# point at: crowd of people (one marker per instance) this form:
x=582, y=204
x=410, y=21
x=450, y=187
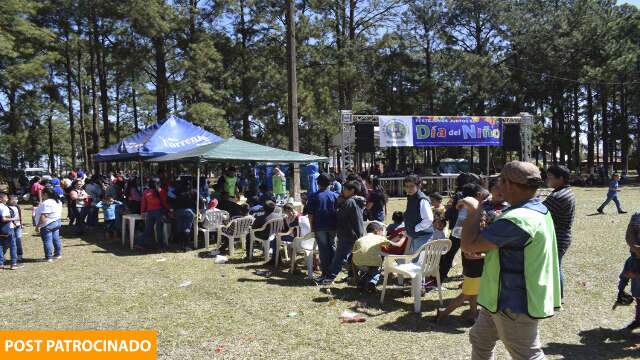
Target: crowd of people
x=513, y=242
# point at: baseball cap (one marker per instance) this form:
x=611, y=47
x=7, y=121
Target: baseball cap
x=523, y=173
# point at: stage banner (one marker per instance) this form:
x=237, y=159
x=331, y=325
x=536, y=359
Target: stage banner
x=440, y=131
x=396, y=131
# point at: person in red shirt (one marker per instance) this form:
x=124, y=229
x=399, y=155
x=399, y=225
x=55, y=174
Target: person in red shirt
x=153, y=207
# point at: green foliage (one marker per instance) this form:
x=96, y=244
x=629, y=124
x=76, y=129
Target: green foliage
x=210, y=118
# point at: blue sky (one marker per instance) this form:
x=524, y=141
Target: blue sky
x=632, y=2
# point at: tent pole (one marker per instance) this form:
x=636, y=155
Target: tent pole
x=195, y=220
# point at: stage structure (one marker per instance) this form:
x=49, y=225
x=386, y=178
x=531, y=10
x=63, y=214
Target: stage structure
x=433, y=131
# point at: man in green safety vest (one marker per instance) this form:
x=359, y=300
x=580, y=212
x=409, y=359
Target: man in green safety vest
x=520, y=282
x=230, y=180
x=279, y=184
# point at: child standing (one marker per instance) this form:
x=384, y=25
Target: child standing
x=472, y=264
x=439, y=219
x=109, y=206
x=612, y=194
x=17, y=230
x=631, y=271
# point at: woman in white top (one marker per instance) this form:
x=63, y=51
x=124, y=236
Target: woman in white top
x=78, y=200
x=48, y=214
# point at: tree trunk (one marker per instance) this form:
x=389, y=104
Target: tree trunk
x=245, y=87
x=117, y=111
x=52, y=160
x=591, y=129
x=95, y=134
x=293, y=92
x=605, y=129
x=624, y=125
x=134, y=104
x=13, y=126
x=104, y=94
x=161, y=78
x=72, y=127
x=576, y=126
x=81, y=101
x=554, y=129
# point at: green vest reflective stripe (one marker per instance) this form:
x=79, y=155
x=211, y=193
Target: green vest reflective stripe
x=230, y=185
x=541, y=270
x=279, y=185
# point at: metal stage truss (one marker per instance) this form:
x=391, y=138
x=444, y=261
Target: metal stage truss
x=348, y=120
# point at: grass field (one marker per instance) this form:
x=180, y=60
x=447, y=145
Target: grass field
x=228, y=311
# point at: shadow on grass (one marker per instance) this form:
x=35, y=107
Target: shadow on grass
x=599, y=343
x=293, y=281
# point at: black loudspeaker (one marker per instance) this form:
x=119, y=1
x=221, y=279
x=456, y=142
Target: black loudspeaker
x=511, y=137
x=364, y=138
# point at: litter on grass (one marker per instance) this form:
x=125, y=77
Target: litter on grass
x=219, y=259
x=292, y=314
x=348, y=316
x=161, y=259
x=185, y=284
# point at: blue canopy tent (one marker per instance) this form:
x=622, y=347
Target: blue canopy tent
x=170, y=136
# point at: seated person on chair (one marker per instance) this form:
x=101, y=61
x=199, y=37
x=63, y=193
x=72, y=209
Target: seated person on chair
x=260, y=221
x=292, y=219
x=228, y=205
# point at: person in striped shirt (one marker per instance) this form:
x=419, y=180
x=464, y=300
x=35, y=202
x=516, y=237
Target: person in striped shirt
x=562, y=204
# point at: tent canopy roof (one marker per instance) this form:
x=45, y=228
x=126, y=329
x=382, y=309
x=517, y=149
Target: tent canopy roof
x=166, y=137
x=235, y=150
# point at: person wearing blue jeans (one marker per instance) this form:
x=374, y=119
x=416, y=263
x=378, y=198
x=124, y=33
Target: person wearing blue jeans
x=349, y=226
x=418, y=217
x=50, y=212
x=7, y=236
x=152, y=219
x=321, y=209
x=50, y=234
x=612, y=195
x=153, y=207
x=326, y=241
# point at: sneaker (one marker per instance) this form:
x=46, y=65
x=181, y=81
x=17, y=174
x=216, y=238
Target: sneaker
x=15, y=267
x=57, y=257
x=19, y=257
x=48, y=259
x=318, y=279
x=623, y=299
x=325, y=282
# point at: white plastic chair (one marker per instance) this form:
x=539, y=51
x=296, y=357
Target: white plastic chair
x=241, y=228
x=301, y=230
x=304, y=245
x=274, y=227
x=293, y=231
x=428, y=264
x=213, y=220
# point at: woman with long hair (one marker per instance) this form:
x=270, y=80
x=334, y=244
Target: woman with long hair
x=48, y=217
x=153, y=207
x=78, y=204
x=132, y=195
x=377, y=201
